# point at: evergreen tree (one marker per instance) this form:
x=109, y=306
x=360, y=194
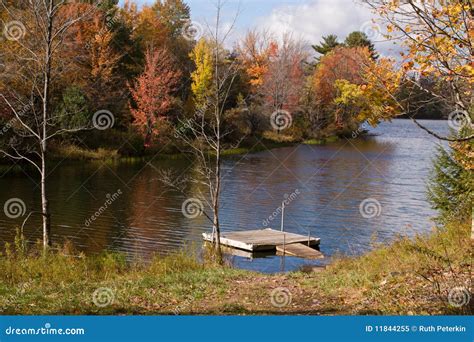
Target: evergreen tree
x=73, y=110
x=360, y=39
x=451, y=187
x=327, y=44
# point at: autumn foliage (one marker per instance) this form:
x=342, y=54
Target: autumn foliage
x=152, y=92
x=135, y=62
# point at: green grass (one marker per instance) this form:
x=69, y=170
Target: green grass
x=71, y=152
x=323, y=141
x=265, y=145
x=65, y=283
x=410, y=276
x=406, y=277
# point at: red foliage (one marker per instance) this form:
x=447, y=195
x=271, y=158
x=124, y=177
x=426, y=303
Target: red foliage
x=284, y=77
x=153, y=90
x=341, y=64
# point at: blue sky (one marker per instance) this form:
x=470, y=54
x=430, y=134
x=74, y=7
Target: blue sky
x=306, y=19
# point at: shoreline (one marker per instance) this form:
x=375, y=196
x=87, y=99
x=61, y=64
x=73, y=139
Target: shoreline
x=385, y=281
x=113, y=157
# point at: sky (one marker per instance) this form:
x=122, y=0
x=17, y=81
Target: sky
x=305, y=19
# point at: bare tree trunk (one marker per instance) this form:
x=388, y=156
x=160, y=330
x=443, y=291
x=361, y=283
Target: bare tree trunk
x=216, y=202
x=207, y=131
x=217, y=110
x=47, y=80
x=45, y=207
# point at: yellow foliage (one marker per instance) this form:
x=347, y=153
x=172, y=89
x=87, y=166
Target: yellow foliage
x=202, y=77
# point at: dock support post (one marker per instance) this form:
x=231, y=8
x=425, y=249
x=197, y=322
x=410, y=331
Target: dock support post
x=282, y=214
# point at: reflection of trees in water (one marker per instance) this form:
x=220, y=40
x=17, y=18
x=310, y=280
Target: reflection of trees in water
x=147, y=218
x=155, y=224
x=84, y=192
x=146, y=213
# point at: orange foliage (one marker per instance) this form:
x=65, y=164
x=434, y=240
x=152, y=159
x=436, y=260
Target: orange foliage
x=153, y=90
x=340, y=64
x=255, y=51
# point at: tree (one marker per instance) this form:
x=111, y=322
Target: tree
x=254, y=52
x=103, y=61
x=365, y=97
x=360, y=39
x=149, y=29
x=73, y=111
x=437, y=36
x=174, y=14
x=284, y=78
x=90, y=43
x=342, y=66
x=152, y=92
x=203, y=75
x=451, y=184
x=327, y=44
x=35, y=53
x=204, y=132
x=420, y=103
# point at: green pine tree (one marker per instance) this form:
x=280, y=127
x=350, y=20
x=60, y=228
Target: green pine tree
x=327, y=44
x=360, y=39
x=451, y=188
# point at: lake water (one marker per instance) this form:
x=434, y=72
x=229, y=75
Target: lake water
x=325, y=186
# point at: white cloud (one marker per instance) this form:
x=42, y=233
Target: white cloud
x=317, y=18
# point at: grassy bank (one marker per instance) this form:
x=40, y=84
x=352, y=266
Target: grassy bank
x=70, y=152
x=407, y=277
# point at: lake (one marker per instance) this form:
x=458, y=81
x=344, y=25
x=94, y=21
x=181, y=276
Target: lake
x=351, y=194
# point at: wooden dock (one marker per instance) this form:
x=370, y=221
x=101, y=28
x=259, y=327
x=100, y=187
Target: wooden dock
x=270, y=240
x=300, y=250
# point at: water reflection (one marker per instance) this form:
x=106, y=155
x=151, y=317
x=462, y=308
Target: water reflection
x=332, y=181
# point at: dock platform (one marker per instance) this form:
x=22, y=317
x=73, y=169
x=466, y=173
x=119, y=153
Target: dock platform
x=270, y=240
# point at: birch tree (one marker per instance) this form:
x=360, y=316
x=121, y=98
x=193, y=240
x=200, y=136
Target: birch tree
x=204, y=132
x=36, y=33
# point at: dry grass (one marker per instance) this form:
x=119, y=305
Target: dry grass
x=73, y=152
x=407, y=277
